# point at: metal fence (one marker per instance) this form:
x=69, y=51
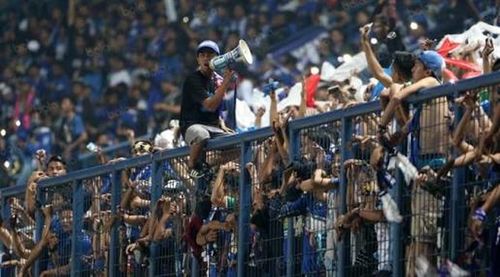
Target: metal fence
x=310, y=208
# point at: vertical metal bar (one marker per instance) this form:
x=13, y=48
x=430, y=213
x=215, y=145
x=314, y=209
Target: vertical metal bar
x=5, y=209
x=244, y=209
x=343, y=253
x=76, y=268
x=395, y=243
x=40, y=199
x=156, y=187
x=457, y=198
x=115, y=201
x=294, y=153
x=195, y=268
x=5, y=217
x=290, y=246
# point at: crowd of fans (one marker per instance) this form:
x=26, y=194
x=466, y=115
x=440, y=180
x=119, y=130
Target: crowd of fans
x=121, y=64
x=77, y=74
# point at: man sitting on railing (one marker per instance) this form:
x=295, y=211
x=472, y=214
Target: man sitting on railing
x=202, y=95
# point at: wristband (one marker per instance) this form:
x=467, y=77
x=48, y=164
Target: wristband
x=479, y=215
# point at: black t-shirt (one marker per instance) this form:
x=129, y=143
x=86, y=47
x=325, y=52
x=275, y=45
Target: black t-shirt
x=196, y=88
x=261, y=219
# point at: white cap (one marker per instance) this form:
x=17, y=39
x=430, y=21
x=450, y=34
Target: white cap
x=208, y=44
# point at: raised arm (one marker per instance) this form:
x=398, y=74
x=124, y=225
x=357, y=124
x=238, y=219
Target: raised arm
x=217, y=197
x=373, y=64
x=486, y=55
x=459, y=133
x=36, y=252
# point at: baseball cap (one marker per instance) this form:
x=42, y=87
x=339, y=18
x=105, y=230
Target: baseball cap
x=208, y=44
x=432, y=61
x=56, y=158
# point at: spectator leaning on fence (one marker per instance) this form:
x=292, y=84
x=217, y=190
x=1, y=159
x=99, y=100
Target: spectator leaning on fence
x=202, y=95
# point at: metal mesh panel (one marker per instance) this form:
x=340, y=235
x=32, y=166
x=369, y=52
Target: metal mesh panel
x=177, y=198
x=97, y=223
x=369, y=240
x=475, y=251
x=136, y=224
x=425, y=226
x=310, y=200
x=331, y=192
x=18, y=232
x=219, y=185
x=266, y=252
x=57, y=219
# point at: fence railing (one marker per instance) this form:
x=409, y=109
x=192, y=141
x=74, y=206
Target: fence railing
x=301, y=234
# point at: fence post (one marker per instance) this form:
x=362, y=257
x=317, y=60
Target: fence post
x=294, y=154
x=5, y=217
x=343, y=253
x=77, y=204
x=457, y=197
x=5, y=209
x=395, y=243
x=114, y=243
x=195, y=267
x=40, y=199
x=156, y=190
x=244, y=208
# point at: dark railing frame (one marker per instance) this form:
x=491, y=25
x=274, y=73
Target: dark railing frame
x=243, y=141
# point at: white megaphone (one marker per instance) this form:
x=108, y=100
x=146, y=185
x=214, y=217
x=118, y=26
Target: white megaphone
x=240, y=53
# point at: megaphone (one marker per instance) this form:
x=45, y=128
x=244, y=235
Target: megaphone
x=240, y=53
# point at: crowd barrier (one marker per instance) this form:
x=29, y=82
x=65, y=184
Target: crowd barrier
x=295, y=244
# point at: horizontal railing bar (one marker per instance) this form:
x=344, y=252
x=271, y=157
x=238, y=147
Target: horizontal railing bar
x=427, y=94
x=11, y=191
x=96, y=171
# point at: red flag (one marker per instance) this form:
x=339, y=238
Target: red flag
x=447, y=47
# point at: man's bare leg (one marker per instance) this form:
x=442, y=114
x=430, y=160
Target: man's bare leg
x=195, y=151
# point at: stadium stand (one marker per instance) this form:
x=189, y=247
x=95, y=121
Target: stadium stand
x=364, y=143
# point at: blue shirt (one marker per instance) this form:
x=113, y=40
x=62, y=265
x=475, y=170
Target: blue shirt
x=377, y=90
x=69, y=130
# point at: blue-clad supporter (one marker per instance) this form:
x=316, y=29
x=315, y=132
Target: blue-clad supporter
x=136, y=200
x=80, y=92
x=314, y=236
x=58, y=85
x=70, y=131
x=167, y=105
x=56, y=242
x=42, y=135
x=219, y=256
x=60, y=246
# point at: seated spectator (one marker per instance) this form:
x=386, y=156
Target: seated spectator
x=203, y=92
